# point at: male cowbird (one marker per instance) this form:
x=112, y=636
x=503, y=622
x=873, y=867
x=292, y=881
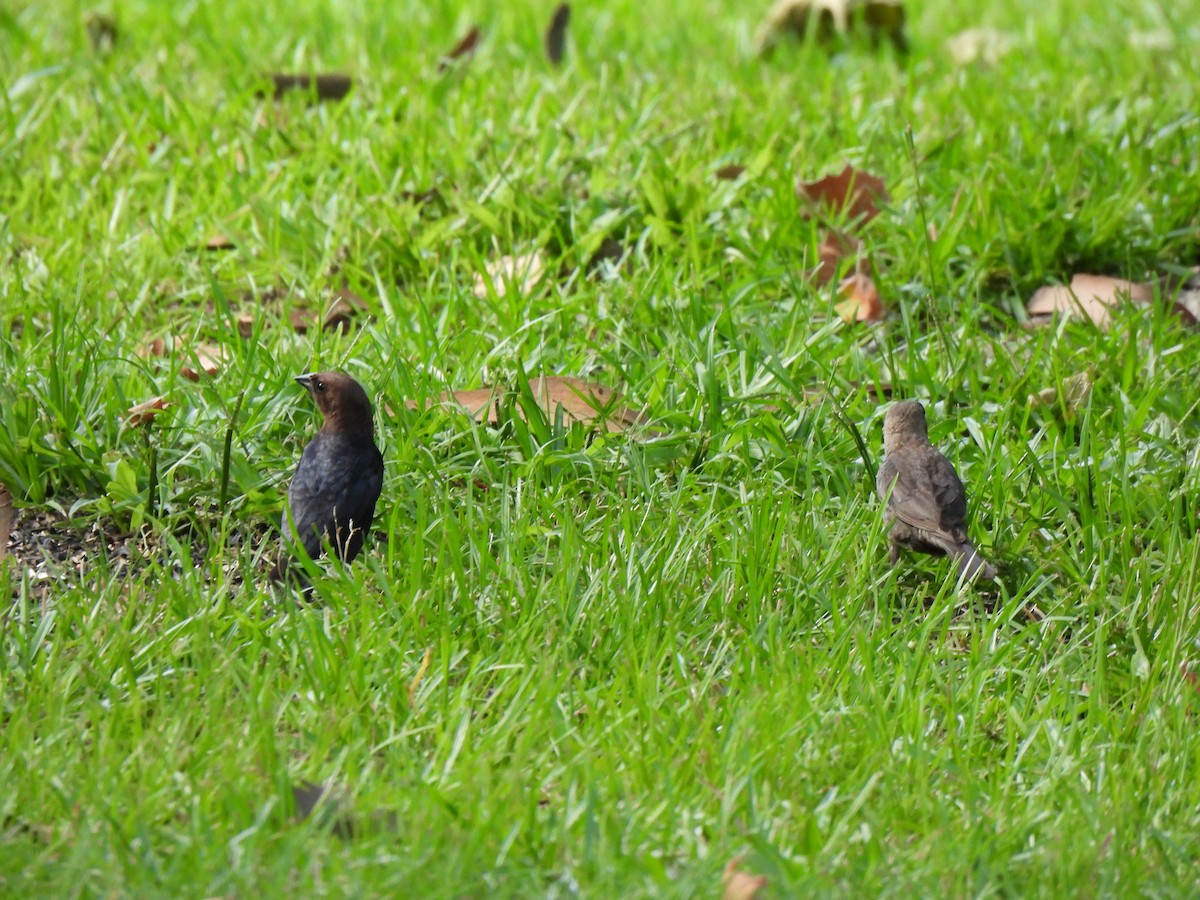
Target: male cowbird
x=332, y=495
x=925, y=500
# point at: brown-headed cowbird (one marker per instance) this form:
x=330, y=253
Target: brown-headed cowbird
x=925, y=499
x=332, y=495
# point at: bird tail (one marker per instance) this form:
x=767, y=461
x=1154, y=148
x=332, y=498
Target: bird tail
x=970, y=563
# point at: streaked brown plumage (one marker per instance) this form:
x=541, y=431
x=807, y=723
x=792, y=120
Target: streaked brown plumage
x=925, y=498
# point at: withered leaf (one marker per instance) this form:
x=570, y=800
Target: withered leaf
x=245, y=325
x=739, y=885
x=580, y=401
x=984, y=45
x=143, y=413
x=827, y=19
x=300, y=320
x=209, y=357
x=102, y=31
x=6, y=520
x=346, y=305
x=465, y=47
x=556, y=34
x=854, y=192
x=522, y=272
x=217, y=241
x=1074, y=393
x=1088, y=297
x=328, y=86
x=861, y=303
x=731, y=172
x=835, y=247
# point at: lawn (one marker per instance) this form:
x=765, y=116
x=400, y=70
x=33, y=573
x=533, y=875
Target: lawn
x=575, y=662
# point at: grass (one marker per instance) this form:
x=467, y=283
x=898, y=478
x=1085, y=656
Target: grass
x=576, y=666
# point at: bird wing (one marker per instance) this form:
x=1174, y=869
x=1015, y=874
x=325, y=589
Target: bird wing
x=332, y=486
x=925, y=493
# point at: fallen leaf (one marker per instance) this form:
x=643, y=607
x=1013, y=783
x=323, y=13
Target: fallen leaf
x=346, y=304
x=218, y=241
x=556, y=34
x=862, y=303
x=580, y=401
x=1073, y=393
x=739, y=885
x=731, y=172
x=6, y=521
x=826, y=19
x=245, y=325
x=143, y=413
x=522, y=272
x=852, y=191
x=210, y=358
x=1088, y=297
x=465, y=47
x=102, y=31
x=835, y=247
x=331, y=86
x=300, y=320
x=984, y=45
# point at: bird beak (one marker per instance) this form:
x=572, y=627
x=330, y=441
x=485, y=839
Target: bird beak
x=305, y=380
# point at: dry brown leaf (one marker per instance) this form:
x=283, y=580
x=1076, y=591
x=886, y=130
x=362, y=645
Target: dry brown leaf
x=331, y=86
x=102, y=31
x=580, y=401
x=142, y=413
x=730, y=172
x=791, y=19
x=301, y=320
x=245, y=325
x=346, y=305
x=835, y=247
x=1088, y=297
x=210, y=358
x=218, y=241
x=984, y=45
x=6, y=520
x=1074, y=391
x=522, y=272
x=855, y=192
x=556, y=34
x=739, y=885
x=465, y=47
x=862, y=303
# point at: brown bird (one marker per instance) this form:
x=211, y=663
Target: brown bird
x=925, y=499
x=331, y=500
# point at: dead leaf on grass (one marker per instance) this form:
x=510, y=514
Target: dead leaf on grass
x=1087, y=297
x=346, y=305
x=983, y=45
x=217, y=241
x=523, y=272
x=835, y=247
x=143, y=413
x=6, y=520
x=731, y=172
x=857, y=193
x=210, y=358
x=328, y=86
x=465, y=47
x=556, y=34
x=826, y=19
x=581, y=401
x=739, y=885
x=1073, y=393
x=245, y=325
x=101, y=30
x=861, y=303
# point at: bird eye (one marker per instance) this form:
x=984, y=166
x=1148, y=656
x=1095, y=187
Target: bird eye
x=319, y=385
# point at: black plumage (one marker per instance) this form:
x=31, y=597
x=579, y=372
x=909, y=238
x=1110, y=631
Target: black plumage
x=332, y=497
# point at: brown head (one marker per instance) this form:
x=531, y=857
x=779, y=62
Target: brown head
x=342, y=402
x=904, y=425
